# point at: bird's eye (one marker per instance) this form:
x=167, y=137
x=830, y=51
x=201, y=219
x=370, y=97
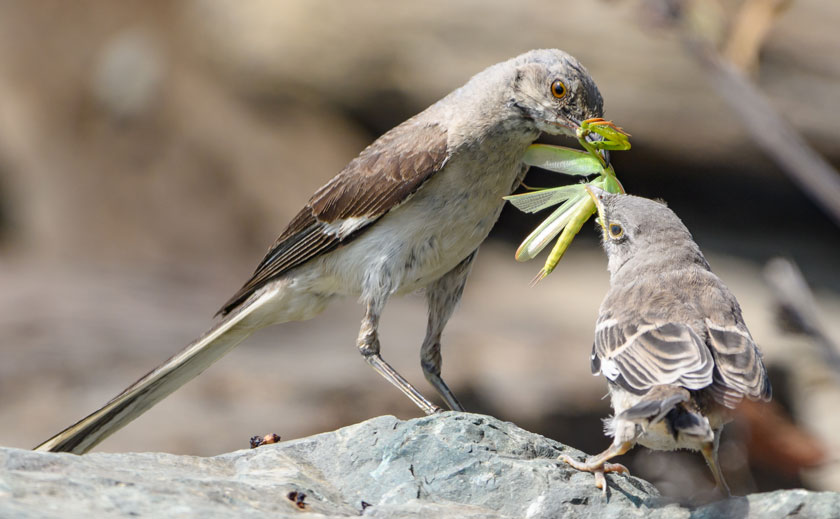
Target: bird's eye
x=558, y=89
x=616, y=231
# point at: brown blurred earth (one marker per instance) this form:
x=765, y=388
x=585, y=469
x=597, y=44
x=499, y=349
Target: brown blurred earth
x=150, y=151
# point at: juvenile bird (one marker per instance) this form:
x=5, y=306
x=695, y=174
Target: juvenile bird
x=669, y=339
x=408, y=213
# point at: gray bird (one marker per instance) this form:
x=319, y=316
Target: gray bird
x=669, y=339
x=408, y=213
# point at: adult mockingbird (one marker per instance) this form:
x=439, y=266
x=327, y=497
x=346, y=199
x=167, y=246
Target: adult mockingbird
x=670, y=339
x=408, y=213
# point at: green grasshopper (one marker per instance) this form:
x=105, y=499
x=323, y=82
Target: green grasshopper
x=576, y=205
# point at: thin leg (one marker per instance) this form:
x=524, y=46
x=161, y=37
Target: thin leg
x=442, y=297
x=368, y=343
x=598, y=464
x=710, y=452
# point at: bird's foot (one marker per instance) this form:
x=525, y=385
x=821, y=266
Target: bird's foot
x=597, y=467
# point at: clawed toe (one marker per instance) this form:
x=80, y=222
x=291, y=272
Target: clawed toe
x=596, y=467
x=579, y=465
x=616, y=467
x=593, y=464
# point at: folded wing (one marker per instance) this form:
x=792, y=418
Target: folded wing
x=739, y=370
x=638, y=357
x=382, y=177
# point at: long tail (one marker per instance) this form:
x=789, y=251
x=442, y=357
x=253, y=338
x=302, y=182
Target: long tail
x=160, y=382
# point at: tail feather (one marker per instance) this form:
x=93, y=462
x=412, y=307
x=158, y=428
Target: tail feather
x=657, y=403
x=673, y=405
x=653, y=410
x=159, y=383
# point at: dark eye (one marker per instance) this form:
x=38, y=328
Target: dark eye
x=558, y=89
x=616, y=231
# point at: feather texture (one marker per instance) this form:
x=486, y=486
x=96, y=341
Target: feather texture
x=381, y=178
x=639, y=355
x=668, y=319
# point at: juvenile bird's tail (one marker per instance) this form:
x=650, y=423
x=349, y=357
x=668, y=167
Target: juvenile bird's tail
x=160, y=382
x=673, y=405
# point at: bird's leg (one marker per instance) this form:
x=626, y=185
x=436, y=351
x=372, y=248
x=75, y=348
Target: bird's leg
x=710, y=452
x=598, y=464
x=368, y=344
x=442, y=297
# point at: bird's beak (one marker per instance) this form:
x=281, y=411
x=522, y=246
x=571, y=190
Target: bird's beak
x=597, y=195
x=567, y=126
x=575, y=124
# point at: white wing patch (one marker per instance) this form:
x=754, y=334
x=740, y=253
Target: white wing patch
x=610, y=369
x=346, y=226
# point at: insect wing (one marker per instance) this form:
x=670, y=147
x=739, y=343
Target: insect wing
x=562, y=160
x=548, y=229
x=544, y=198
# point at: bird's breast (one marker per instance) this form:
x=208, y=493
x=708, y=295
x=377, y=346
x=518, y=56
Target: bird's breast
x=442, y=223
x=453, y=214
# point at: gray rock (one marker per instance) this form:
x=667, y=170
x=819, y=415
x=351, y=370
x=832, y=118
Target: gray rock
x=448, y=465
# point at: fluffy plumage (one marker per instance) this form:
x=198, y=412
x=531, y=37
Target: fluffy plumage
x=670, y=338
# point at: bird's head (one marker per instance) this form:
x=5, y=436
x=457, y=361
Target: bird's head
x=553, y=91
x=639, y=230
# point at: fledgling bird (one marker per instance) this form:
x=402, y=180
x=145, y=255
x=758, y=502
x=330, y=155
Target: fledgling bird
x=669, y=339
x=408, y=213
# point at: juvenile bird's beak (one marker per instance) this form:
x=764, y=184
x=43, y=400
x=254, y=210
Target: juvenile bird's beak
x=597, y=195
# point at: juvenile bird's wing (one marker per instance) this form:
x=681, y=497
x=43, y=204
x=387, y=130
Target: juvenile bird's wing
x=638, y=355
x=382, y=177
x=698, y=340
x=739, y=370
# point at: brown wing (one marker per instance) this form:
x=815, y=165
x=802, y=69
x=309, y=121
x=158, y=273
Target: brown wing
x=382, y=177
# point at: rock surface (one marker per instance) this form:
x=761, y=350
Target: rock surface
x=448, y=465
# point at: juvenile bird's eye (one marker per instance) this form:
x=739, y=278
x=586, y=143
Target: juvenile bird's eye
x=616, y=231
x=558, y=89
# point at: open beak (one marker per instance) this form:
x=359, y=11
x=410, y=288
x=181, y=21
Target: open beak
x=597, y=194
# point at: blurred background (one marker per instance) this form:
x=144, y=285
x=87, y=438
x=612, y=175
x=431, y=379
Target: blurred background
x=151, y=151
